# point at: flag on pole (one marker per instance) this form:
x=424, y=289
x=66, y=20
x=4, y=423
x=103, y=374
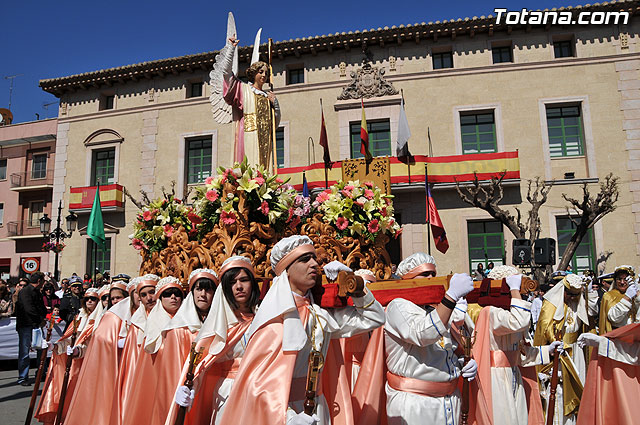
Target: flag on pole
x=324, y=142
x=437, y=228
x=364, y=136
x=95, y=227
x=404, y=133
x=305, y=185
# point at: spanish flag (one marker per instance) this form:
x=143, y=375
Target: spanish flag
x=364, y=136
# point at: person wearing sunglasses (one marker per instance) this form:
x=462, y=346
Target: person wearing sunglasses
x=620, y=305
x=220, y=338
x=179, y=334
x=103, y=294
x=71, y=301
x=99, y=378
x=136, y=407
x=564, y=311
x=90, y=311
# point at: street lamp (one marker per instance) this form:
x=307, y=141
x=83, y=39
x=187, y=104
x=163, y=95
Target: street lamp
x=58, y=234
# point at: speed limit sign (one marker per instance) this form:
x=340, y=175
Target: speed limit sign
x=30, y=265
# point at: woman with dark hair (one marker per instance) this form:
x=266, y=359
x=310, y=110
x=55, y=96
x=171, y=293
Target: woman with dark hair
x=221, y=339
x=90, y=312
x=6, y=305
x=49, y=297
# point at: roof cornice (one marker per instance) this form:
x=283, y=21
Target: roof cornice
x=314, y=45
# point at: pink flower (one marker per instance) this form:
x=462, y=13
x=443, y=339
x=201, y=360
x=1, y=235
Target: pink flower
x=369, y=184
x=323, y=196
x=347, y=193
x=147, y=215
x=342, y=223
x=259, y=180
x=383, y=211
x=264, y=207
x=168, y=230
x=138, y=244
x=212, y=195
x=194, y=218
x=177, y=201
x=208, y=180
x=368, y=193
x=373, y=226
x=228, y=217
x=279, y=180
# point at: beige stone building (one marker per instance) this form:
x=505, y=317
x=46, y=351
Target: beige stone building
x=565, y=97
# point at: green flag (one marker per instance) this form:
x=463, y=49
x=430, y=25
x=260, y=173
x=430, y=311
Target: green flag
x=95, y=227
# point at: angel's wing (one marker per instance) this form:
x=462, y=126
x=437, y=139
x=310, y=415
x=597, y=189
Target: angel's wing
x=222, y=111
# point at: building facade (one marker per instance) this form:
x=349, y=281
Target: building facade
x=27, y=158
x=566, y=98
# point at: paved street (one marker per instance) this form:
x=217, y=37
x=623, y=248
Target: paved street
x=14, y=399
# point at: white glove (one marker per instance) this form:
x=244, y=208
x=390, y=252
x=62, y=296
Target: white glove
x=332, y=269
x=556, y=346
x=469, y=370
x=121, y=342
x=303, y=419
x=589, y=339
x=543, y=377
x=184, y=396
x=632, y=291
x=459, y=286
x=514, y=282
x=69, y=350
x=590, y=285
x=462, y=303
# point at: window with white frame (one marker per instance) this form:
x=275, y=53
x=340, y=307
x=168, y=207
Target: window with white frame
x=39, y=166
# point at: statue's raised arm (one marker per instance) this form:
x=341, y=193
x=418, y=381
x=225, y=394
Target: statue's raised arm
x=246, y=104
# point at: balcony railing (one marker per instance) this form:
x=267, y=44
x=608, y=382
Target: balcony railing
x=23, y=228
x=28, y=180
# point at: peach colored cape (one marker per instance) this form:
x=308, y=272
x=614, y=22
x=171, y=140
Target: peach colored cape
x=48, y=407
x=96, y=382
x=260, y=395
x=353, y=349
x=481, y=404
x=205, y=379
x=126, y=373
x=369, y=397
x=612, y=388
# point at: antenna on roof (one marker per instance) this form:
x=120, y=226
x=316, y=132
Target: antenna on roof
x=11, y=78
x=46, y=108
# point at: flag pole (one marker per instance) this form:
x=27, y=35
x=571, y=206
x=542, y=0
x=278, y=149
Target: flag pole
x=426, y=179
x=326, y=172
x=408, y=156
x=95, y=245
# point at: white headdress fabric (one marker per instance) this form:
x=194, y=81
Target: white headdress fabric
x=556, y=297
x=413, y=261
x=133, y=283
x=367, y=275
x=220, y=318
x=285, y=246
x=158, y=318
x=502, y=272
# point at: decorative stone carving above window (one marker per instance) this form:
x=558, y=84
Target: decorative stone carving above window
x=366, y=82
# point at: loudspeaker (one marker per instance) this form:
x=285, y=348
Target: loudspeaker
x=521, y=252
x=545, y=251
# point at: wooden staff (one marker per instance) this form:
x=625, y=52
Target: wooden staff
x=554, y=383
x=316, y=361
x=194, y=358
x=467, y=343
x=36, y=385
x=65, y=381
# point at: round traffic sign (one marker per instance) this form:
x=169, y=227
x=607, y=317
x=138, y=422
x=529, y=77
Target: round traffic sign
x=30, y=265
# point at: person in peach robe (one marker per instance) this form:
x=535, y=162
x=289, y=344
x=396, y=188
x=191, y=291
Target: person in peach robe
x=130, y=340
x=221, y=339
x=270, y=385
x=137, y=400
x=91, y=309
x=178, y=336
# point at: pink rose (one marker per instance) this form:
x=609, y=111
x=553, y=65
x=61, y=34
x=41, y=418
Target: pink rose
x=264, y=207
x=212, y=195
x=259, y=180
x=368, y=193
x=228, y=217
x=342, y=223
x=373, y=226
x=147, y=215
x=168, y=230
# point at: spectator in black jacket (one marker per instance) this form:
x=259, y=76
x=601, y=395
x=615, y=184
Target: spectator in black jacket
x=30, y=314
x=72, y=300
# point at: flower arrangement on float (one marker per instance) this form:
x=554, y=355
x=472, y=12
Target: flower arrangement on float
x=357, y=209
x=158, y=221
x=269, y=199
x=53, y=247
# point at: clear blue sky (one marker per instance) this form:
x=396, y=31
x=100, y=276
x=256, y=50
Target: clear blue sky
x=47, y=39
